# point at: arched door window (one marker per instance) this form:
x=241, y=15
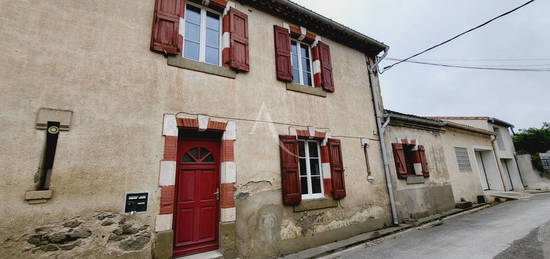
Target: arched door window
x=198, y=155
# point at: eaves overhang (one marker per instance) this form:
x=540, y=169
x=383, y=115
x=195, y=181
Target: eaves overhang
x=319, y=24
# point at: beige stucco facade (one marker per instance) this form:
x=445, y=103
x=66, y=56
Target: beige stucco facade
x=504, y=148
x=93, y=58
x=419, y=196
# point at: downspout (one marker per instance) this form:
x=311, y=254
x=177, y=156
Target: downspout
x=381, y=128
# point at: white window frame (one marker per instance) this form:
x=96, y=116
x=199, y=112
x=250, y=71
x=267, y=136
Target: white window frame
x=202, y=32
x=310, y=194
x=299, y=53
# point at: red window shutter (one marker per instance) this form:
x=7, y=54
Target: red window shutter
x=282, y=54
x=238, y=27
x=336, y=169
x=290, y=175
x=423, y=161
x=327, y=81
x=165, y=36
x=399, y=158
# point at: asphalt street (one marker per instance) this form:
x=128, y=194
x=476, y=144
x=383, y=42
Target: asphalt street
x=514, y=229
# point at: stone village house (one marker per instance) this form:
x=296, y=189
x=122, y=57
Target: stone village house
x=250, y=128
x=437, y=164
x=235, y=126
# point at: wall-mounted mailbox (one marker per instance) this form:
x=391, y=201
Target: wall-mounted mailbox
x=136, y=202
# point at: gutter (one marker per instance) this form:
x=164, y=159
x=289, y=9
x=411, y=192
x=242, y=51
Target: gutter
x=416, y=120
x=381, y=128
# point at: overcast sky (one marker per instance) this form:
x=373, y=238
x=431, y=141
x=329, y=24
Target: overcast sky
x=409, y=26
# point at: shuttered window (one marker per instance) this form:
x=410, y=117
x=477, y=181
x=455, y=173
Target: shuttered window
x=310, y=169
x=463, y=159
x=202, y=35
x=301, y=63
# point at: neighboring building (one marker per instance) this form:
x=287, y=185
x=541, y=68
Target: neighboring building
x=436, y=164
x=510, y=176
x=233, y=134
x=545, y=160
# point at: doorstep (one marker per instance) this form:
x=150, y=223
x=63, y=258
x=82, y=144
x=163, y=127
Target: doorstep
x=368, y=236
x=206, y=255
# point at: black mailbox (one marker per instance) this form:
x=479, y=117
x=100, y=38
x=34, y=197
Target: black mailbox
x=136, y=202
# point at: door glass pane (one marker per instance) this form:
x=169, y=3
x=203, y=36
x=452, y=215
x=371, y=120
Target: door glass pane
x=191, y=50
x=303, y=185
x=193, y=14
x=194, y=152
x=187, y=158
x=316, y=184
x=212, y=55
x=212, y=21
x=209, y=158
x=303, y=167
x=313, y=149
x=314, y=165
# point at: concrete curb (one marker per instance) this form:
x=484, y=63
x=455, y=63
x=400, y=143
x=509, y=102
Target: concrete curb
x=381, y=234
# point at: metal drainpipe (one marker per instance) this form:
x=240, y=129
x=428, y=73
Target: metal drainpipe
x=380, y=130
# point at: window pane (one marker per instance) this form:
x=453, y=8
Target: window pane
x=313, y=149
x=213, y=21
x=193, y=14
x=303, y=166
x=212, y=55
x=307, y=78
x=316, y=184
x=303, y=49
x=314, y=166
x=294, y=48
x=191, y=50
x=192, y=32
x=306, y=65
x=296, y=76
x=212, y=38
x=301, y=149
x=303, y=181
x=294, y=61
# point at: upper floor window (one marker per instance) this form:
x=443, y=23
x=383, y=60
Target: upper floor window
x=301, y=63
x=310, y=169
x=202, y=34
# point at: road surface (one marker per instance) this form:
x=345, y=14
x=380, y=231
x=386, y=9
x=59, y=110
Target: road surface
x=515, y=229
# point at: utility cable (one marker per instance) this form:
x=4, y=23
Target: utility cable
x=476, y=67
x=453, y=38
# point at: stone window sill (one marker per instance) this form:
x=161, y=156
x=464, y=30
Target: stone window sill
x=201, y=67
x=306, y=89
x=316, y=204
x=36, y=197
x=415, y=179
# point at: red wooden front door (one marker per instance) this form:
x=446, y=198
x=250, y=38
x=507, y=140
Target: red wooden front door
x=197, y=196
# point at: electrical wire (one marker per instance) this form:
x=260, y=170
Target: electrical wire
x=274, y=122
x=453, y=38
x=475, y=67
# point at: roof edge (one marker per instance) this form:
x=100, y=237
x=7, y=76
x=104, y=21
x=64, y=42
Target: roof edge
x=316, y=22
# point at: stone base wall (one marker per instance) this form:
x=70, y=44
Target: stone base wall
x=101, y=235
x=422, y=202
